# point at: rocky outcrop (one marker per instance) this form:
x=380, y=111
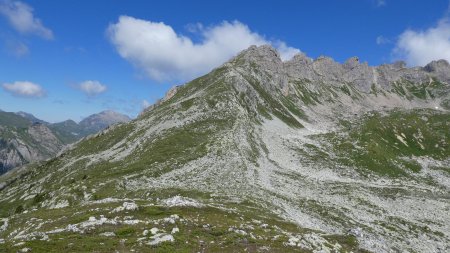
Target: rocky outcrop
x=35, y=143
x=10, y=156
x=169, y=94
x=47, y=141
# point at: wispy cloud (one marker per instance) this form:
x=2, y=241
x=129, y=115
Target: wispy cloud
x=91, y=88
x=22, y=19
x=419, y=47
x=381, y=40
x=381, y=3
x=17, y=48
x=24, y=89
x=162, y=54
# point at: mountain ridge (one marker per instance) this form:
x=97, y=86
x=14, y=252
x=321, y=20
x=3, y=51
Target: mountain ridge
x=304, y=67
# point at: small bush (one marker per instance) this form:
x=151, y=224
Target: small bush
x=19, y=209
x=39, y=198
x=126, y=231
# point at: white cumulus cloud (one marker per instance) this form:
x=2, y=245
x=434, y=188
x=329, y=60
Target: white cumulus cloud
x=21, y=18
x=162, y=54
x=418, y=48
x=285, y=51
x=91, y=88
x=24, y=89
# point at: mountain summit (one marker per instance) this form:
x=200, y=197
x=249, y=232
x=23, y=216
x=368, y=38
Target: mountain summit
x=259, y=155
x=99, y=121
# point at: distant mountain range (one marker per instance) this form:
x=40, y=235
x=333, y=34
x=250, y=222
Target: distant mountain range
x=25, y=138
x=69, y=131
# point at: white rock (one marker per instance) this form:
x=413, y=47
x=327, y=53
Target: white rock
x=126, y=206
x=5, y=225
x=131, y=222
x=175, y=230
x=72, y=228
x=293, y=241
x=154, y=231
x=130, y=206
x=181, y=201
x=241, y=232
x=157, y=239
x=169, y=220
x=62, y=204
x=108, y=234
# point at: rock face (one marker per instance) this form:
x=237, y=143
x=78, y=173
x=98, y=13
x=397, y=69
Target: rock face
x=326, y=70
x=19, y=146
x=351, y=157
x=47, y=141
x=169, y=94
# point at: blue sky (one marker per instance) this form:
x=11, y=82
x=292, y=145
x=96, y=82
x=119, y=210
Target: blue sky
x=69, y=59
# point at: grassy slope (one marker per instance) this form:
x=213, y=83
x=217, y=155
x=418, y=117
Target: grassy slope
x=387, y=144
x=11, y=119
x=206, y=229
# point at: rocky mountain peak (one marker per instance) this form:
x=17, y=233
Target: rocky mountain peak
x=351, y=62
x=299, y=59
x=438, y=66
x=101, y=120
x=263, y=51
x=261, y=55
x=323, y=63
x=109, y=115
x=398, y=65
